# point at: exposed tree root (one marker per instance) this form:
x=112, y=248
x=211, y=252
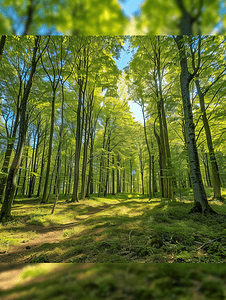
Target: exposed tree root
x=221, y=198
x=197, y=208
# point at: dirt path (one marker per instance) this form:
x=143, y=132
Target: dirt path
x=9, y=278
x=24, y=252
x=48, y=234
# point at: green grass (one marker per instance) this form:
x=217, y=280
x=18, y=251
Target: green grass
x=122, y=228
x=119, y=281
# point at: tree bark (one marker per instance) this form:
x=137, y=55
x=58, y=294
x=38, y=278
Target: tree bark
x=11, y=180
x=215, y=171
x=200, y=200
x=150, y=188
x=44, y=196
x=42, y=163
x=78, y=146
x=113, y=174
x=2, y=45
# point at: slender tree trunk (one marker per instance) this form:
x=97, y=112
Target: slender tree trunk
x=208, y=169
x=170, y=193
x=160, y=162
x=131, y=176
x=42, y=164
x=9, y=149
x=11, y=180
x=69, y=181
x=60, y=150
x=113, y=174
x=19, y=177
x=44, y=197
x=149, y=154
x=107, y=175
x=153, y=175
x=2, y=45
x=100, y=190
x=51, y=179
x=201, y=203
x=79, y=131
x=65, y=173
x=118, y=175
x=124, y=180
x=25, y=174
x=215, y=172
x=89, y=189
x=34, y=161
x=85, y=150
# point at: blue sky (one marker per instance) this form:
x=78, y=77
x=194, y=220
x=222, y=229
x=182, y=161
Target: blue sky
x=130, y=6
x=121, y=63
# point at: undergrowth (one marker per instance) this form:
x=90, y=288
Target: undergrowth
x=120, y=228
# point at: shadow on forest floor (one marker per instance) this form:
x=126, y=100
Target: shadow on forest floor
x=119, y=228
x=114, y=281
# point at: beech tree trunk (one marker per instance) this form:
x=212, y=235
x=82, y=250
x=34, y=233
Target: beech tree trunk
x=11, y=180
x=44, y=196
x=215, y=171
x=200, y=200
x=79, y=131
x=150, y=187
x=42, y=163
x=2, y=45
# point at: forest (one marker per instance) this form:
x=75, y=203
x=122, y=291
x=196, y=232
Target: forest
x=115, y=17
x=82, y=180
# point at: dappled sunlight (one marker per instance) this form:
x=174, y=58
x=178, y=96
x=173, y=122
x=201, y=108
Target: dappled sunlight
x=120, y=228
x=117, y=281
x=87, y=274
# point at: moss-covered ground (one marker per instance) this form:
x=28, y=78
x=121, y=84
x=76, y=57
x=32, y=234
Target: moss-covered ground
x=117, y=282
x=118, y=229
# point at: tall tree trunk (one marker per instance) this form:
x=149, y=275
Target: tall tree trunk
x=149, y=154
x=60, y=150
x=11, y=180
x=51, y=179
x=170, y=193
x=34, y=161
x=107, y=175
x=79, y=131
x=201, y=204
x=153, y=175
x=44, y=197
x=131, y=176
x=85, y=149
x=69, y=180
x=215, y=172
x=42, y=163
x=19, y=177
x=118, y=175
x=160, y=162
x=124, y=180
x=10, y=144
x=113, y=174
x=100, y=190
x=25, y=173
x=2, y=45
x=65, y=173
x=89, y=188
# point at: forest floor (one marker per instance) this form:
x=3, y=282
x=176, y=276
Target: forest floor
x=180, y=281
x=122, y=228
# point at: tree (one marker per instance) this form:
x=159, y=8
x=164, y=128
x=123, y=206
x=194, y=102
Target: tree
x=183, y=17
x=201, y=204
x=11, y=180
x=54, y=79
x=202, y=92
x=77, y=17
